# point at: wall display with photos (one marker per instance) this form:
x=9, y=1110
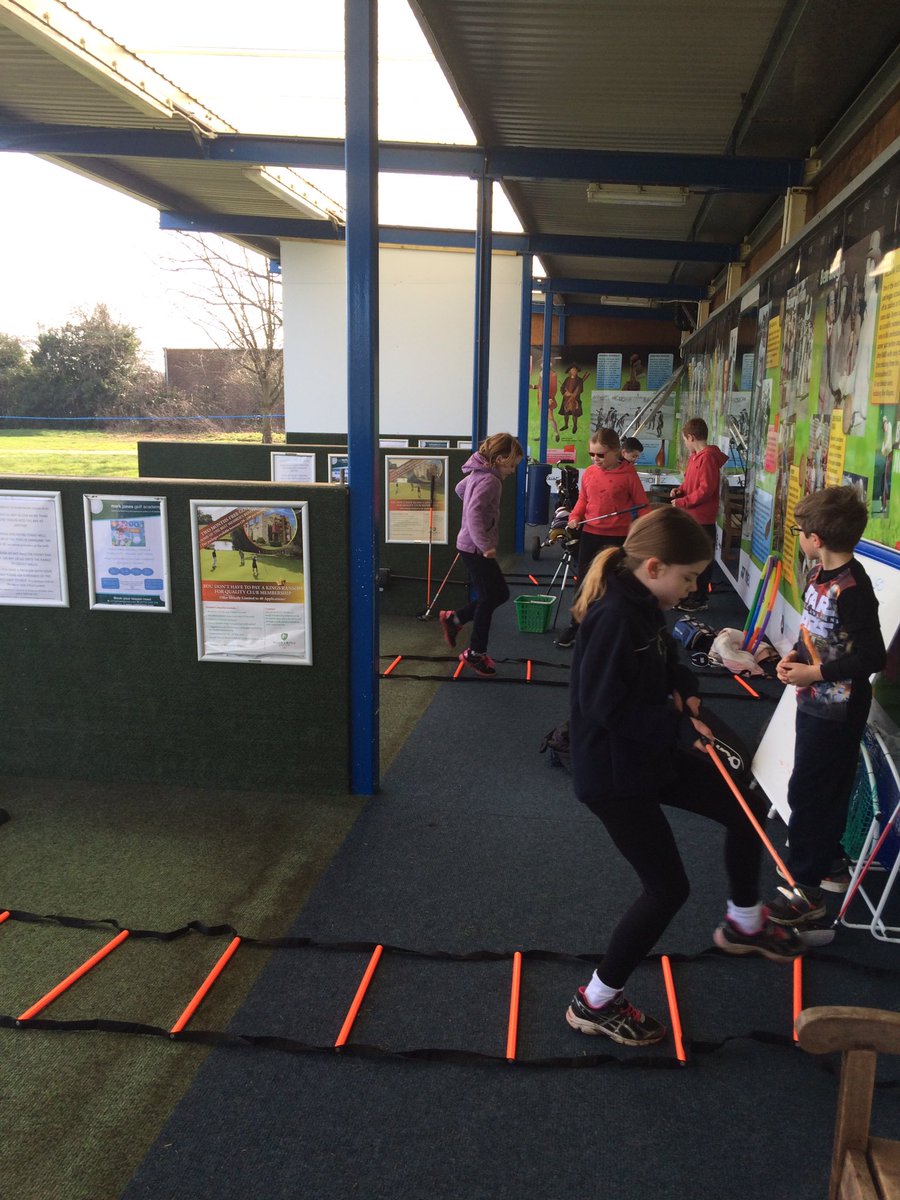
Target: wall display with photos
x=251, y=581
x=338, y=468
x=32, y=550
x=293, y=467
x=415, y=499
x=126, y=538
x=824, y=404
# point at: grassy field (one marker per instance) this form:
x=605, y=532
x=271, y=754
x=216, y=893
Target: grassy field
x=77, y=452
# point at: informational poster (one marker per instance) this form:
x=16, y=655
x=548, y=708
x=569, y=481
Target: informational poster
x=251, y=579
x=32, y=550
x=659, y=370
x=434, y=443
x=773, y=344
x=127, y=553
x=388, y=443
x=761, y=534
x=789, y=552
x=338, y=468
x=609, y=371
x=415, y=499
x=293, y=468
x=834, y=465
x=886, y=371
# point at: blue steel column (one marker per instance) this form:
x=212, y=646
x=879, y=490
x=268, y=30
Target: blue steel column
x=545, y=375
x=361, y=161
x=524, y=378
x=482, y=311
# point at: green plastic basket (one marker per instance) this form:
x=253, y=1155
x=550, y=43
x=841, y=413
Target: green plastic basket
x=533, y=613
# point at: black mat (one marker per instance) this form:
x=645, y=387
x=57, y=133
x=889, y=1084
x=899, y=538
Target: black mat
x=476, y=843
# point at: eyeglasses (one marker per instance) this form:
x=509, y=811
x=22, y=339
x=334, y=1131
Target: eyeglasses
x=795, y=529
x=598, y=453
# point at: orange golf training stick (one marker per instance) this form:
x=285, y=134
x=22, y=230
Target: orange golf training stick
x=723, y=771
x=41, y=1004
x=4, y=916
x=673, y=1009
x=358, y=998
x=513, y=1027
x=456, y=673
x=737, y=679
x=528, y=670
x=206, y=985
x=534, y=581
x=385, y=674
x=798, y=992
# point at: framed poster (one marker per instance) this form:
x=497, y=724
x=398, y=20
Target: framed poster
x=288, y=467
x=338, y=468
x=464, y=443
x=127, y=553
x=396, y=443
x=434, y=443
x=32, y=550
x=415, y=499
x=251, y=581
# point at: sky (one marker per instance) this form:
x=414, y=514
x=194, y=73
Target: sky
x=69, y=243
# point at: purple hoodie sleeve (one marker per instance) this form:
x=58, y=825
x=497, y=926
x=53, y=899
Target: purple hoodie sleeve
x=482, y=505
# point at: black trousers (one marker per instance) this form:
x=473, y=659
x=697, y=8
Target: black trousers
x=487, y=590
x=825, y=758
x=640, y=831
x=703, y=579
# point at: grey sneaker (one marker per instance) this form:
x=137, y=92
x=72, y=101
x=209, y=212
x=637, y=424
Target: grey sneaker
x=797, y=906
x=775, y=942
x=618, y=1020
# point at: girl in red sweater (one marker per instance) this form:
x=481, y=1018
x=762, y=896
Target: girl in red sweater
x=611, y=497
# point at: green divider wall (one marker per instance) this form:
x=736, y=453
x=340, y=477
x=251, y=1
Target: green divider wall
x=242, y=460
x=89, y=694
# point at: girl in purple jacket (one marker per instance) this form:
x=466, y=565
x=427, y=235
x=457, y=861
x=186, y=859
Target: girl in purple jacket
x=479, y=489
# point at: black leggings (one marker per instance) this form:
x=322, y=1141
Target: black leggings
x=488, y=591
x=639, y=830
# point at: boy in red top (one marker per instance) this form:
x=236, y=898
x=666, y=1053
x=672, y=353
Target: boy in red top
x=608, y=486
x=699, y=496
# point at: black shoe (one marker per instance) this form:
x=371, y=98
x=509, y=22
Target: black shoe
x=618, y=1020
x=692, y=606
x=798, y=906
x=837, y=879
x=449, y=627
x=481, y=664
x=779, y=943
x=567, y=638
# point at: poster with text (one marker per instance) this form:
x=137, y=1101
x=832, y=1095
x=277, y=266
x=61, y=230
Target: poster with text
x=127, y=553
x=32, y=551
x=251, y=580
x=338, y=468
x=415, y=499
x=290, y=467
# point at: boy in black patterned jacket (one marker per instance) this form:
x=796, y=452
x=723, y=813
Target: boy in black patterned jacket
x=839, y=647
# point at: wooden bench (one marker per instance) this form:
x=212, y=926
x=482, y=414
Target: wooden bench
x=862, y=1167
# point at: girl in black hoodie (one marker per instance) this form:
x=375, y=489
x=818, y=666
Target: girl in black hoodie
x=630, y=698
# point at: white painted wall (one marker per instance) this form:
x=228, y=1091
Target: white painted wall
x=427, y=321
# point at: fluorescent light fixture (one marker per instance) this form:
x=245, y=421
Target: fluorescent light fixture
x=637, y=194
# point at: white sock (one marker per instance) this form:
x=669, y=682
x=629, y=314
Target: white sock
x=748, y=920
x=597, y=993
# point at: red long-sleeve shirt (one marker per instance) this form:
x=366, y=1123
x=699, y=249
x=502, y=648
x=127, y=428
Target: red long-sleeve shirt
x=605, y=492
x=699, y=494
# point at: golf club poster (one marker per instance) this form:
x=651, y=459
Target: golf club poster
x=251, y=581
x=127, y=553
x=289, y=467
x=32, y=550
x=415, y=499
x=339, y=468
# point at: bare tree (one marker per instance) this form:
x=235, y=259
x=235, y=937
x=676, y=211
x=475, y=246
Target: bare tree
x=239, y=301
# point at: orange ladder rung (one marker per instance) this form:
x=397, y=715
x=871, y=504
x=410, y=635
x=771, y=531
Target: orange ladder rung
x=205, y=986
x=41, y=1004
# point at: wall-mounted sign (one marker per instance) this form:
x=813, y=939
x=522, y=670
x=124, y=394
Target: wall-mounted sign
x=251, y=581
x=293, y=468
x=415, y=499
x=127, y=553
x=32, y=550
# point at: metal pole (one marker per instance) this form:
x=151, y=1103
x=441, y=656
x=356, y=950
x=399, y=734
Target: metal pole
x=361, y=161
x=524, y=381
x=482, y=312
x=545, y=377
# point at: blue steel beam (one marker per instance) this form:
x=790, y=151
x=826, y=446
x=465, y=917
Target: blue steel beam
x=622, y=287
x=705, y=172
x=481, y=356
x=619, y=311
x=524, y=388
x=361, y=49
x=517, y=243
